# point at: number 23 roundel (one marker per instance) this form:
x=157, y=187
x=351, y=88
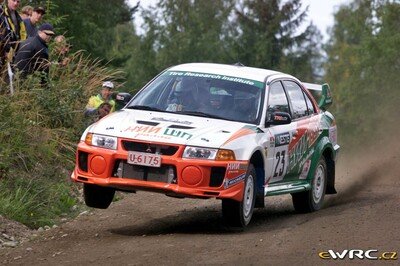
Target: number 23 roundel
x=281, y=157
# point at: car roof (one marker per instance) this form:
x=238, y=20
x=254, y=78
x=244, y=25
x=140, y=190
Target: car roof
x=252, y=73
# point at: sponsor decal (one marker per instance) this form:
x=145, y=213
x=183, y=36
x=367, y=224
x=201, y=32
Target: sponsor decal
x=215, y=76
x=297, y=151
x=151, y=131
x=282, y=139
x=280, y=118
x=230, y=182
x=236, y=166
x=143, y=129
x=351, y=254
x=172, y=120
x=178, y=133
x=306, y=169
x=272, y=142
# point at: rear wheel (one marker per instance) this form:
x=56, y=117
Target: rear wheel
x=97, y=196
x=312, y=200
x=238, y=214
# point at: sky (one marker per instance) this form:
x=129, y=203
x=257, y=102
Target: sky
x=320, y=11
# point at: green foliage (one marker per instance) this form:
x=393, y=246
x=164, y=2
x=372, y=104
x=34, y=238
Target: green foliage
x=40, y=127
x=34, y=201
x=267, y=35
x=363, y=68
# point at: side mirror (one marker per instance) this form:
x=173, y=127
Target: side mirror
x=326, y=97
x=279, y=118
x=121, y=99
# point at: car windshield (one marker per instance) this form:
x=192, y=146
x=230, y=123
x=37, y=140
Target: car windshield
x=202, y=94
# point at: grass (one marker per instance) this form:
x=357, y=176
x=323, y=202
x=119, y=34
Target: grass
x=40, y=126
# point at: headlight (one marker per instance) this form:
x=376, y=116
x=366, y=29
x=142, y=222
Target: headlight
x=199, y=153
x=101, y=141
x=208, y=154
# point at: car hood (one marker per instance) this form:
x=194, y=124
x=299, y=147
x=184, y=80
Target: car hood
x=171, y=128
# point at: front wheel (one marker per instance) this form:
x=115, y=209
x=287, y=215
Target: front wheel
x=238, y=214
x=312, y=200
x=97, y=196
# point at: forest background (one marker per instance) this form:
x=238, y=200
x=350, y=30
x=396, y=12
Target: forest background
x=39, y=127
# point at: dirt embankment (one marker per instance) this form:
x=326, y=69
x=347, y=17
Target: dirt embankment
x=149, y=228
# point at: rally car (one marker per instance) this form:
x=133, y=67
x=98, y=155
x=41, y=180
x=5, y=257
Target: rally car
x=204, y=130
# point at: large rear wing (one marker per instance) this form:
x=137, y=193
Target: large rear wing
x=321, y=93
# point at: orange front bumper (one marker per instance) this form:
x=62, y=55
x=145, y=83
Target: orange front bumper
x=192, y=176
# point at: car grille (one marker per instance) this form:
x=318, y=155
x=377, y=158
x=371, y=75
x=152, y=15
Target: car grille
x=149, y=147
x=163, y=174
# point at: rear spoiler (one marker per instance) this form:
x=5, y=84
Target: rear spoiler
x=321, y=93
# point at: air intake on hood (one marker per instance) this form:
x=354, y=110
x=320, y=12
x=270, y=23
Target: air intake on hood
x=180, y=127
x=147, y=123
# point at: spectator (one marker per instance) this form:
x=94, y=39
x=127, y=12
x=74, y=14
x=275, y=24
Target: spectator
x=33, y=53
x=32, y=21
x=12, y=30
x=61, y=50
x=92, y=107
x=103, y=110
x=26, y=12
x=14, y=24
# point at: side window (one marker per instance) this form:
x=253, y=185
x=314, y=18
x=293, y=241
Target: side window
x=277, y=101
x=310, y=106
x=297, y=100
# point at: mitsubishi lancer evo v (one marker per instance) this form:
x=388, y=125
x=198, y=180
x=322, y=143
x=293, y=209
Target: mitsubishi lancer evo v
x=228, y=132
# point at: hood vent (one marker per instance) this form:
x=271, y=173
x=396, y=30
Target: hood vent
x=148, y=123
x=180, y=127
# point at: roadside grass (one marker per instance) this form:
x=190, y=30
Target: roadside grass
x=35, y=203
x=39, y=129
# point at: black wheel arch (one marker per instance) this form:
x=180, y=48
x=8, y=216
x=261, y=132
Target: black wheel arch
x=257, y=161
x=330, y=164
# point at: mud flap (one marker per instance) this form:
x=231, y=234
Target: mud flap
x=330, y=186
x=260, y=197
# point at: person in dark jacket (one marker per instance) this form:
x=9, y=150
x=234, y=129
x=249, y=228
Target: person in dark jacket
x=12, y=31
x=33, y=20
x=33, y=54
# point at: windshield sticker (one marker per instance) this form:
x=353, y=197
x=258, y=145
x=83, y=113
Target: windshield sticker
x=216, y=76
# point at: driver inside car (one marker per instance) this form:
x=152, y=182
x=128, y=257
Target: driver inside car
x=182, y=98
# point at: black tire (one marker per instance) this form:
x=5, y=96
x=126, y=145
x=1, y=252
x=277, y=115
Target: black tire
x=312, y=200
x=97, y=196
x=238, y=214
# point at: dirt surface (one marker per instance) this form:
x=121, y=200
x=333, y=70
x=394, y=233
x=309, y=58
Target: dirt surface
x=149, y=228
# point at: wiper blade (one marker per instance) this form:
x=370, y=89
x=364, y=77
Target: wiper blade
x=143, y=107
x=202, y=114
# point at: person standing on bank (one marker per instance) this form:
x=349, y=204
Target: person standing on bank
x=14, y=25
x=26, y=12
x=33, y=20
x=104, y=96
x=12, y=31
x=33, y=53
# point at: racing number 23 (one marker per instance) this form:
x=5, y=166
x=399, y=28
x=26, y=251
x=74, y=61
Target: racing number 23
x=280, y=163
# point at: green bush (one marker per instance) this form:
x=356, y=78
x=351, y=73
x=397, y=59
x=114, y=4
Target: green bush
x=40, y=126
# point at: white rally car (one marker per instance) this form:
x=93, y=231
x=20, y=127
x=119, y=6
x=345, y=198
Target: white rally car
x=229, y=132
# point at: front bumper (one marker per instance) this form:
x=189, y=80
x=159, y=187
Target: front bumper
x=176, y=177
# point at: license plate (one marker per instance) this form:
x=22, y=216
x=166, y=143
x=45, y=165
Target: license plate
x=146, y=159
